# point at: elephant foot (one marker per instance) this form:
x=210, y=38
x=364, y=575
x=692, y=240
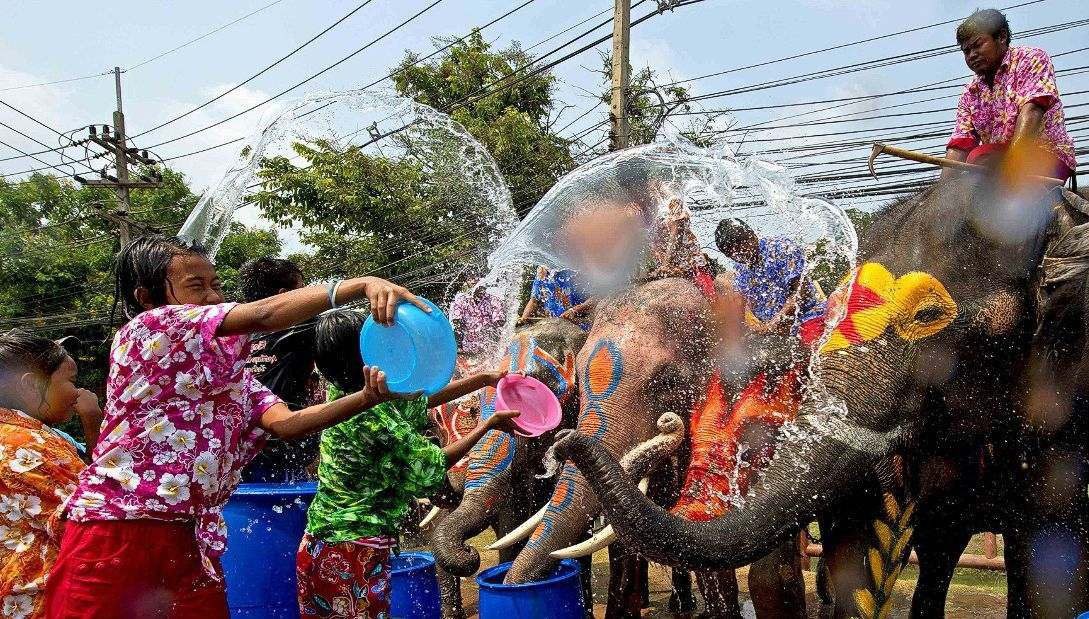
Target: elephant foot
x=682, y=603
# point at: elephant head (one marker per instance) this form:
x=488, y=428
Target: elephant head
x=925, y=333
x=500, y=466
x=646, y=349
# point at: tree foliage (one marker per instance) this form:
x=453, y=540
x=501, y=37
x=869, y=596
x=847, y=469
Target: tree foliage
x=57, y=248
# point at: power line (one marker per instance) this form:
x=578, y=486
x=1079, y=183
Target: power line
x=203, y=36
x=249, y=79
x=836, y=47
x=308, y=79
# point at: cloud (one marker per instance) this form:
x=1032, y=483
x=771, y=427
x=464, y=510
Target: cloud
x=656, y=54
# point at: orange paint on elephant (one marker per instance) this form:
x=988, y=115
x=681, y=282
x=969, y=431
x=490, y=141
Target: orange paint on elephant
x=716, y=475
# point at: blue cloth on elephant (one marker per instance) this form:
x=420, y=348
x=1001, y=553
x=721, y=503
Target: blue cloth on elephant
x=767, y=285
x=556, y=292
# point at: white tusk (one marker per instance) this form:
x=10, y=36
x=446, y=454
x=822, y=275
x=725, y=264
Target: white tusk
x=431, y=515
x=523, y=531
x=598, y=540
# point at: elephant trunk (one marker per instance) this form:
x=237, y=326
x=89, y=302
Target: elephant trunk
x=812, y=467
x=472, y=516
x=566, y=520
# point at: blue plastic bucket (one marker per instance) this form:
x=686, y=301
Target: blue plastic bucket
x=414, y=586
x=559, y=596
x=417, y=353
x=264, y=525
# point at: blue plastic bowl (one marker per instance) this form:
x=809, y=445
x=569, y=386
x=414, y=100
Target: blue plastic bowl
x=559, y=596
x=265, y=523
x=414, y=587
x=417, y=353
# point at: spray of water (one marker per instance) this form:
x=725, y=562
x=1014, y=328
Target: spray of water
x=382, y=124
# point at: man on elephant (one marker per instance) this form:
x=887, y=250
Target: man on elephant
x=1012, y=104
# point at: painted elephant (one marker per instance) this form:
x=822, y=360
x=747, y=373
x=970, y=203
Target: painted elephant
x=632, y=369
x=500, y=484
x=950, y=397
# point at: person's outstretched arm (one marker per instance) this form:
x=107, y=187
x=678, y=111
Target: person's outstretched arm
x=464, y=386
x=285, y=423
x=290, y=308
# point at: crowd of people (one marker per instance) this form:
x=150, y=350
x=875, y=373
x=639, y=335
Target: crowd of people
x=203, y=394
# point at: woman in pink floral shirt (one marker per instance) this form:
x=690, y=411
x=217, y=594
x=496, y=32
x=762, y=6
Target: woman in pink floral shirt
x=183, y=417
x=1013, y=100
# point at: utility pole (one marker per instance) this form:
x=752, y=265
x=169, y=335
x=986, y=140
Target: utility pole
x=619, y=131
x=120, y=183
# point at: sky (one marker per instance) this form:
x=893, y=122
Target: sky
x=48, y=41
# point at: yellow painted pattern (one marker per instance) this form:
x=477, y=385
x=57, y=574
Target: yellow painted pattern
x=915, y=305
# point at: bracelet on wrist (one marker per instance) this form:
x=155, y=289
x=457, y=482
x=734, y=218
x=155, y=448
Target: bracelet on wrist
x=333, y=288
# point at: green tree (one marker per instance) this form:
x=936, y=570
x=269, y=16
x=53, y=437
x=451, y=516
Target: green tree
x=511, y=122
x=410, y=215
x=57, y=248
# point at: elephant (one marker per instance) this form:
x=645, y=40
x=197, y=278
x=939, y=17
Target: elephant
x=948, y=397
x=631, y=370
x=499, y=487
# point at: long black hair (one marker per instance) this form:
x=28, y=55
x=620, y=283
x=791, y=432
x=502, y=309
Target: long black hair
x=336, y=348
x=22, y=352
x=143, y=263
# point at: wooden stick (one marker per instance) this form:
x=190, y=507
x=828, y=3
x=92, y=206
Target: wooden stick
x=976, y=562
x=903, y=153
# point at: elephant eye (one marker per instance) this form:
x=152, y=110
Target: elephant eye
x=928, y=314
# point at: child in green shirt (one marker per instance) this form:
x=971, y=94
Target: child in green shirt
x=372, y=468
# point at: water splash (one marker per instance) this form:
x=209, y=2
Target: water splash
x=380, y=123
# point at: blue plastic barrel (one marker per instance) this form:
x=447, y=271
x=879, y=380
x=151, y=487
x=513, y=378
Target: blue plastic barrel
x=264, y=525
x=414, y=587
x=559, y=596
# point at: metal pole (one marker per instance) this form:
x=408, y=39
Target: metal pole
x=618, y=108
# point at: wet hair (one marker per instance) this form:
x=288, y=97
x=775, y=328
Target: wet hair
x=984, y=21
x=336, y=348
x=264, y=277
x=22, y=352
x=731, y=234
x=143, y=263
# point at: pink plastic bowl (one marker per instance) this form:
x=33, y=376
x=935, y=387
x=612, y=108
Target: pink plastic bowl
x=539, y=408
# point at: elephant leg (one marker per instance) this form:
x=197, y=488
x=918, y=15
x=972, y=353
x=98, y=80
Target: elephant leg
x=681, y=599
x=938, y=553
x=720, y=594
x=844, y=545
x=586, y=579
x=775, y=582
x=625, y=585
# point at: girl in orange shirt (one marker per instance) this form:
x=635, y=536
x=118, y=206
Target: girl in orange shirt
x=39, y=467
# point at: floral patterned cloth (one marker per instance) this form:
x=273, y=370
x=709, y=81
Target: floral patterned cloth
x=181, y=420
x=766, y=285
x=372, y=468
x=38, y=470
x=555, y=291
x=346, y=580
x=476, y=315
x=988, y=115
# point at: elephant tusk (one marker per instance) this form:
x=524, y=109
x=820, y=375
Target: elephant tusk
x=431, y=515
x=521, y=532
x=597, y=541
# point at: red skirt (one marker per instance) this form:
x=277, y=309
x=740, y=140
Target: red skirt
x=132, y=568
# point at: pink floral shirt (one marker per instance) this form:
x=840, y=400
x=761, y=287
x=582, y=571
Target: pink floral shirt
x=181, y=421
x=988, y=115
